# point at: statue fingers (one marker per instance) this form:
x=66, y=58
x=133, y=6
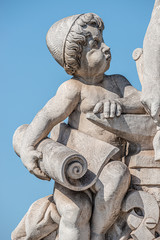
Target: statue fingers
x=113, y=108
x=38, y=173
x=155, y=112
x=34, y=169
x=119, y=110
x=98, y=107
x=30, y=161
x=106, y=109
x=36, y=155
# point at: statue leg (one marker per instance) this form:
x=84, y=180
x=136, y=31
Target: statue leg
x=20, y=231
x=75, y=211
x=41, y=220
x=111, y=187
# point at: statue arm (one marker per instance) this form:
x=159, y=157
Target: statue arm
x=130, y=101
x=56, y=110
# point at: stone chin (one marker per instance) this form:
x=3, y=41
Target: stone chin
x=108, y=61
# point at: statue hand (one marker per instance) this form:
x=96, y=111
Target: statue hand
x=30, y=158
x=110, y=108
x=152, y=107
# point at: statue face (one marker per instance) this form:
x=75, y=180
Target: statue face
x=96, y=54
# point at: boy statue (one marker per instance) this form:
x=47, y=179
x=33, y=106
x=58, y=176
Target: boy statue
x=77, y=44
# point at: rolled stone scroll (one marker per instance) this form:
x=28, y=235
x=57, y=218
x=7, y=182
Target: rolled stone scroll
x=59, y=162
x=96, y=152
x=65, y=165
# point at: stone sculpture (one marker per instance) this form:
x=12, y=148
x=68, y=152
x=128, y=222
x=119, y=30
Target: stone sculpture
x=92, y=157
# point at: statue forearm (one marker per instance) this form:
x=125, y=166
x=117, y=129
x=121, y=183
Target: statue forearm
x=132, y=104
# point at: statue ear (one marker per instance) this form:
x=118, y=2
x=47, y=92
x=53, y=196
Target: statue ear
x=69, y=70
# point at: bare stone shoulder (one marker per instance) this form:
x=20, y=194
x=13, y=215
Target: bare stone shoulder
x=71, y=89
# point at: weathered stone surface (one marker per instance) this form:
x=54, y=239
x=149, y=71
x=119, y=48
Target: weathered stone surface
x=142, y=225
x=41, y=220
x=108, y=141
x=129, y=127
x=62, y=159
x=151, y=65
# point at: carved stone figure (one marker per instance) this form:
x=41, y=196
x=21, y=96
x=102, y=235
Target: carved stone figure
x=108, y=138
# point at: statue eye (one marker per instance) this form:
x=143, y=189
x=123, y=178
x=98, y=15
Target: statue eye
x=95, y=44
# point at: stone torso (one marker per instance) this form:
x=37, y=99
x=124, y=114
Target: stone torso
x=90, y=96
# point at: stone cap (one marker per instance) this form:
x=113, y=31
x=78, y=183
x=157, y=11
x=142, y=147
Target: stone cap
x=57, y=35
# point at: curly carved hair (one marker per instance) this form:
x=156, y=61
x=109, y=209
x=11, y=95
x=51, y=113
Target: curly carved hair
x=77, y=38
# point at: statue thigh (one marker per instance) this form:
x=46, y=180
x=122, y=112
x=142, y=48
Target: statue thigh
x=74, y=207
x=111, y=188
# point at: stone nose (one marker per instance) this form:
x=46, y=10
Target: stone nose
x=105, y=48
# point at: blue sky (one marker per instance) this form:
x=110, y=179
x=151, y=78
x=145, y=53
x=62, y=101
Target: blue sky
x=30, y=77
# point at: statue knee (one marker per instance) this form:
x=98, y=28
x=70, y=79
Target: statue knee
x=119, y=174
x=112, y=186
